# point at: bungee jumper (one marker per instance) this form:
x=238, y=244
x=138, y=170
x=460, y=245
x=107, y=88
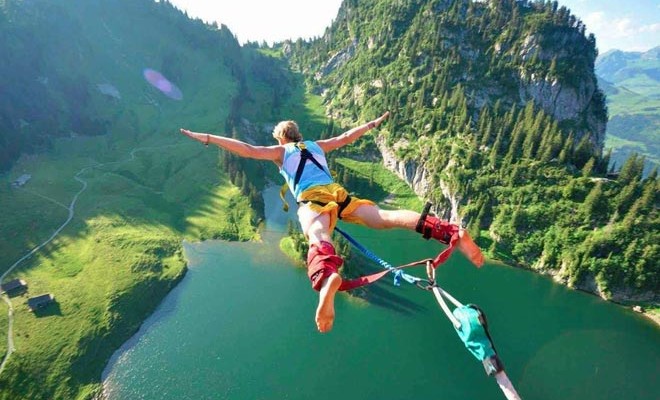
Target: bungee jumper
x=321, y=202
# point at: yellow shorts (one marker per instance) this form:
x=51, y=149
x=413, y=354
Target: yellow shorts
x=326, y=199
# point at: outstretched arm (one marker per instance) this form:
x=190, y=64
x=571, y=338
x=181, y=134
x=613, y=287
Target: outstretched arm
x=350, y=136
x=272, y=153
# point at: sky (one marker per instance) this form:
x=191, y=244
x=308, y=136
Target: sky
x=629, y=25
x=265, y=20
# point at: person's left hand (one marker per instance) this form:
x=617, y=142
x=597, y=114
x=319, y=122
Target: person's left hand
x=187, y=133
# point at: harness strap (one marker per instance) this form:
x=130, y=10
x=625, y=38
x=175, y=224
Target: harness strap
x=304, y=156
x=342, y=204
x=444, y=255
x=285, y=205
x=349, y=284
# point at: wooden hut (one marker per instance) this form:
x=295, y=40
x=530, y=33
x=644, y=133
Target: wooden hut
x=38, y=302
x=21, y=180
x=16, y=284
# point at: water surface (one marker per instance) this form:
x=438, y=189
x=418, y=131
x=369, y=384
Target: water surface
x=240, y=326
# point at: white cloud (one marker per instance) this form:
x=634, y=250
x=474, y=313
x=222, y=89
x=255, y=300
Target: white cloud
x=598, y=22
x=595, y=20
x=652, y=28
x=623, y=27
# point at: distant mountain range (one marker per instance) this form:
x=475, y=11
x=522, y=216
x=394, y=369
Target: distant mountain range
x=631, y=81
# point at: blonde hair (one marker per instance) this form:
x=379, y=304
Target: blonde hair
x=287, y=130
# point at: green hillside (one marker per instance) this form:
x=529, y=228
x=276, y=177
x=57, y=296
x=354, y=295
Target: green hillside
x=147, y=187
x=633, y=100
x=470, y=86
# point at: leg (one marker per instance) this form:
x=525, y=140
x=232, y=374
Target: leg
x=374, y=217
x=316, y=228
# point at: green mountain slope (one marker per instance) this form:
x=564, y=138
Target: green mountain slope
x=75, y=99
x=633, y=100
x=497, y=118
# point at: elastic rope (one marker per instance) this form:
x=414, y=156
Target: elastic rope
x=397, y=272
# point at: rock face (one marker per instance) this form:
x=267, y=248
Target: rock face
x=418, y=177
x=562, y=100
x=410, y=171
x=339, y=59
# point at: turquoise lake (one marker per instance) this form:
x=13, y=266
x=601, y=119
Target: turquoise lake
x=240, y=325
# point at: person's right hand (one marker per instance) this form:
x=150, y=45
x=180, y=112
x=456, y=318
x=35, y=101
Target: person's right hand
x=200, y=137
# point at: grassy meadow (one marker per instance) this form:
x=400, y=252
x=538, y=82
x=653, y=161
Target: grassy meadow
x=118, y=257
x=377, y=183
x=147, y=188
x=633, y=104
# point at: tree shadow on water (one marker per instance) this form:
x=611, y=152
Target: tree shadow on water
x=381, y=293
x=378, y=295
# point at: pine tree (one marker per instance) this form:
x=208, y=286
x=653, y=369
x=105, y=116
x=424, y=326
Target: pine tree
x=588, y=168
x=565, y=153
x=583, y=152
x=642, y=205
x=625, y=198
x=552, y=71
x=517, y=138
x=595, y=205
x=495, y=151
x=632, y=169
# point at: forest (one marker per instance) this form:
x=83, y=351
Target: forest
x=534, y=180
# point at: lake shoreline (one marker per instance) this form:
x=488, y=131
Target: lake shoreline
x=405, y=313
x=648, y=309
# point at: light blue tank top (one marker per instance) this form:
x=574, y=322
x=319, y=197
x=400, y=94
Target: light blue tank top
x=312, y=175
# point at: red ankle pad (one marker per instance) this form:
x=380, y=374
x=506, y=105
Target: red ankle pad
x=322, y=261
x=434, y=227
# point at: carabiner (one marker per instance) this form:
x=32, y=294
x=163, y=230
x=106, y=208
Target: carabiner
x=425, y=284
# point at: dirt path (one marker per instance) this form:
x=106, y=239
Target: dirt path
x=71, y=208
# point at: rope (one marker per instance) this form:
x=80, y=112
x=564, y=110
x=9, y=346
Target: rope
x=398, y=274
x=506, y=386
x=468, y=321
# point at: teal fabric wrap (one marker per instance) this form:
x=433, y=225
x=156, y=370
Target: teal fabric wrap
x=472, y=333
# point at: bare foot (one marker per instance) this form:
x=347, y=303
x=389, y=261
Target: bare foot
x=325, y=312
x=467, y=246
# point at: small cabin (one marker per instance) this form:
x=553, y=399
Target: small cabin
x=22, y=180
x=41, y=301
x=16, y=284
